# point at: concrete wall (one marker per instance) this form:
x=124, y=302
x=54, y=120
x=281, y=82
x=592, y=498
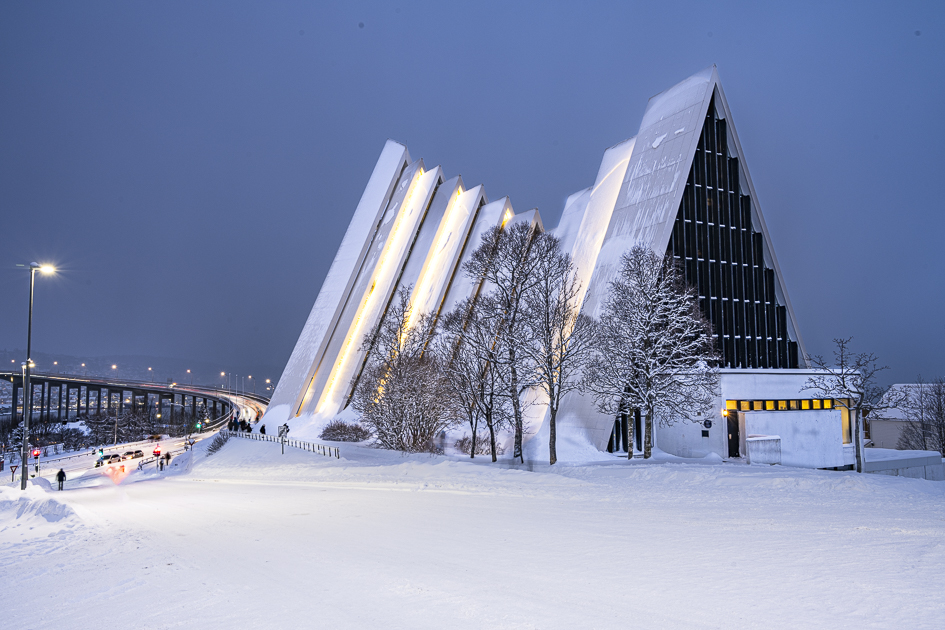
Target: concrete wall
x=885, y=433
x=914, y=464
x=809, y=438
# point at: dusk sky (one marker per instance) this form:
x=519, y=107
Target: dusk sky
x=191, y=167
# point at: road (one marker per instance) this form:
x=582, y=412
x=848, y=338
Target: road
x=78, y=464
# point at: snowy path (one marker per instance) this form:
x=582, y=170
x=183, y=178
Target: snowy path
x=253, y=539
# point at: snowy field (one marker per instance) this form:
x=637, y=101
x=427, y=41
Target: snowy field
x=250, y=538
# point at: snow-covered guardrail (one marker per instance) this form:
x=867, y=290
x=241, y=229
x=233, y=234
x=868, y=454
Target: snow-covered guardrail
x=313, y=447
x=152, y=459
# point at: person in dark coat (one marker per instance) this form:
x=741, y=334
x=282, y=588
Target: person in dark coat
x=262, y=430
x=61, y=477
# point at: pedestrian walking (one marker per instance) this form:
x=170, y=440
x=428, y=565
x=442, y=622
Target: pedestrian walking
x=262, y=431
x=61, y=477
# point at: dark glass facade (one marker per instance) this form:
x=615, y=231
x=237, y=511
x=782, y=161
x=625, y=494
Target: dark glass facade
x=722, y=255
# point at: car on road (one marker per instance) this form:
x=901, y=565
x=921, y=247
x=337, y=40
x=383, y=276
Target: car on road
x=104, y=460
x=132, y=455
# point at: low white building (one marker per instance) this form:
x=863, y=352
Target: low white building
x=811, y=432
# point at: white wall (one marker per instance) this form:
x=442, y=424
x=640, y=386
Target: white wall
x=809, y=438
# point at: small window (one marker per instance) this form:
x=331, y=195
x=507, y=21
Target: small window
x=769, y=405
x=805, y=404
x=782, y=405
x=816, y=403
x=757, y=405
x=794, y=404
x=744, y=405
x=731, y=404
x=828, y=403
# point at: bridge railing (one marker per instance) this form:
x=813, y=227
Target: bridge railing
x=312, y=447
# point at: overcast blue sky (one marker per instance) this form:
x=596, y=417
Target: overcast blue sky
x=192, y=166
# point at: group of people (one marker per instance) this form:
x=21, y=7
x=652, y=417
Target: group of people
x=240, y=425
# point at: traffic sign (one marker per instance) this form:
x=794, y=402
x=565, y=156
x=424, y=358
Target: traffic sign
x=13, y=468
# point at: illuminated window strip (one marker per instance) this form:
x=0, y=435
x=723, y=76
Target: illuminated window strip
x=355, y=330
x=783, y=404
x=431, y=270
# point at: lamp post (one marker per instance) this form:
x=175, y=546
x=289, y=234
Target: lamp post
x=27, y=389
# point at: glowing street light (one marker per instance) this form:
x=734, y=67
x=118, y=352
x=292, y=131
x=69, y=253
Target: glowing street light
x=27, y=388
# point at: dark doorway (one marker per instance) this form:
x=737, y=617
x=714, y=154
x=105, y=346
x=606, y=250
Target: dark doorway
x=638, y=430
x=734, y=438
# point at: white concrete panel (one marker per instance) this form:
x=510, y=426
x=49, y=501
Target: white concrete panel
x=444, y=197
x=809, y=438
x=443, y=257
x=353, y=301
x=391, y=254
x=337, y=284
x=571, y=218
x=463, y=287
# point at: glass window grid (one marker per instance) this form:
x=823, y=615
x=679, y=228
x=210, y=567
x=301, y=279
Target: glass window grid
x=723, y=257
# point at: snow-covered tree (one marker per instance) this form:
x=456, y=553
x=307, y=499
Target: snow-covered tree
x=561, y=337
x=508, y=260
x=924, y=407
x=654, y=349
x=850, y=379
x=402, y=394
x=467, y=349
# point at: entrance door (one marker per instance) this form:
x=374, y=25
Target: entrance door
x=733, y=435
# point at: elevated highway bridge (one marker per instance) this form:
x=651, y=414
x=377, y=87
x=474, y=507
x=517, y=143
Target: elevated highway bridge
x=61, y=397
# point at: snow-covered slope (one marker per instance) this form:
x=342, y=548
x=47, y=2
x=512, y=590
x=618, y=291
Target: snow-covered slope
x=250, y=538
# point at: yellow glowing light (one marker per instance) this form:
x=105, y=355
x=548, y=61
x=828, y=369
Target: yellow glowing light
x=114, y=367
x=355, y=331
x=47, y=269
x=506, y=217
x=725, y=412
x=432, y=269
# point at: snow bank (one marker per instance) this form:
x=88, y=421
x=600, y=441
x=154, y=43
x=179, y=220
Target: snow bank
x=32, y=513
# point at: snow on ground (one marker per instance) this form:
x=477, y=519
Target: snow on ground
x=250, y=538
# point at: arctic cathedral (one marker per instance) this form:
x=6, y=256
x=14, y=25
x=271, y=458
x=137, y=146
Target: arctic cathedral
x=680, y=186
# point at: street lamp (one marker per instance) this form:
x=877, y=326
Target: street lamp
x=254, y=384
x=27, y=389
x=191, y=377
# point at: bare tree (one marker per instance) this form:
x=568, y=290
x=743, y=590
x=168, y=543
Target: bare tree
x=467, y=347
x=653, y=348
x=924, y=407
x=850, y=379
x=402, y=394
x=507, y=259
x=561, y=337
